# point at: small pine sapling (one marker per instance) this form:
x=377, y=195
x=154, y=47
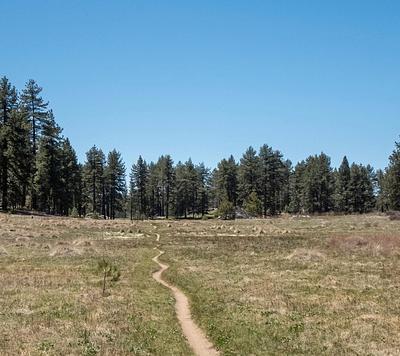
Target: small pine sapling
x=108, y=271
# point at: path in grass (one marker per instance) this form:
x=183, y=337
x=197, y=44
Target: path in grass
x=194, y=335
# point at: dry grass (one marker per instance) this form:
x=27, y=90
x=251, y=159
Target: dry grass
x=373, y=245
x=290, y=285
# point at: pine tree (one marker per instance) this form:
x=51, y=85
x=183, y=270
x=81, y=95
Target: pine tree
x=19, y=156
x=187, y=189
x=115, y=184
x=167, y=182
x=342, y=181
x=93, y=182
x=273, y=177
x=8, y=103
x=47, y=178
x=249, y=172
x=154, y=191
x=138, y=182
x=392, y=180
x=317, y=185
x=36, y=112
x=382, y=200
x=253, y=204
x=70, y=175
x=36, y=109
x=296, y=188
x=226, y=181
x=203, y=175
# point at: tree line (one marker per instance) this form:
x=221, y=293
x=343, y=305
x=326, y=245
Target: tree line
x=39, y=170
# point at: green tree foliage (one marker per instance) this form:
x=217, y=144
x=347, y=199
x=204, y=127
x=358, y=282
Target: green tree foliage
x=248, y=174
x=226, y=181
x=361, y=189
x=187, y=189
x=71, y=179
x=8, y=104
x=138, y=189
x=273, y=176
x=203, y=189
x=19, y=157
x=39, y=168
x=312, y=186
x=253, y=204
x=115, y=184
x=390, y=182
x=226, y=210
x=93, y=182
x=342, y=185
x=36, y=112
x=48, y=184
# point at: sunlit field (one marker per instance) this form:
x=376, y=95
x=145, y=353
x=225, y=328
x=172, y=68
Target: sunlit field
x=289, y=285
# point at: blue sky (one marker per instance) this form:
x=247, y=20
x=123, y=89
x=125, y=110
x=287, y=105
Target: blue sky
x=209, y=78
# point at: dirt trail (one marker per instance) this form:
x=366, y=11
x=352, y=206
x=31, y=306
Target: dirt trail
x=194, y=335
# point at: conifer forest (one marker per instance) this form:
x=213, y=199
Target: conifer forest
x=39, y=171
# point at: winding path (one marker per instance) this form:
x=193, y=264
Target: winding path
x=194, y=335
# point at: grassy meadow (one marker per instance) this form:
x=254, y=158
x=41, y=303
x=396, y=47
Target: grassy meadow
x=289, y=285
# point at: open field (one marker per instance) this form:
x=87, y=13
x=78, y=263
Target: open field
x=321, y=285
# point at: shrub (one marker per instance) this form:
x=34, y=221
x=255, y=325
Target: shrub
x=226, y=210
x=74, y=213
x=108, y=271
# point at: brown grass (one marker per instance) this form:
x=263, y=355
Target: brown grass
x=372, y=245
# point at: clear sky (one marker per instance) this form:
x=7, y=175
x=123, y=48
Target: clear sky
x=208, y=78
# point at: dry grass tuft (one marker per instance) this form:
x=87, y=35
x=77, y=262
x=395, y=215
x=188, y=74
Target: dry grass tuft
x=3, y=251
x=22, y=239
x=309, y=255
x=65, y=251
x=84, y=243
x=394, y=215
x=375, y=245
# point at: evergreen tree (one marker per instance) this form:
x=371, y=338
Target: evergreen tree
x=70, y=174
x=47, y=176
x=36, y=112
x=249, y=172
x=203, y=175
x=154, y=191
x=253, y=204
x=317, y=185
x=342, y=182
x=187, y=185
x=19, y=157
x=93, y=182
x=296, y=188
x=138, y=183
x=115, y=184
x=392, y=180
x=361, y=189
x=226, y=180
x=8, y=104
x=382, y=201
x=273, y=177
x=35, y=108
x=167, y=181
